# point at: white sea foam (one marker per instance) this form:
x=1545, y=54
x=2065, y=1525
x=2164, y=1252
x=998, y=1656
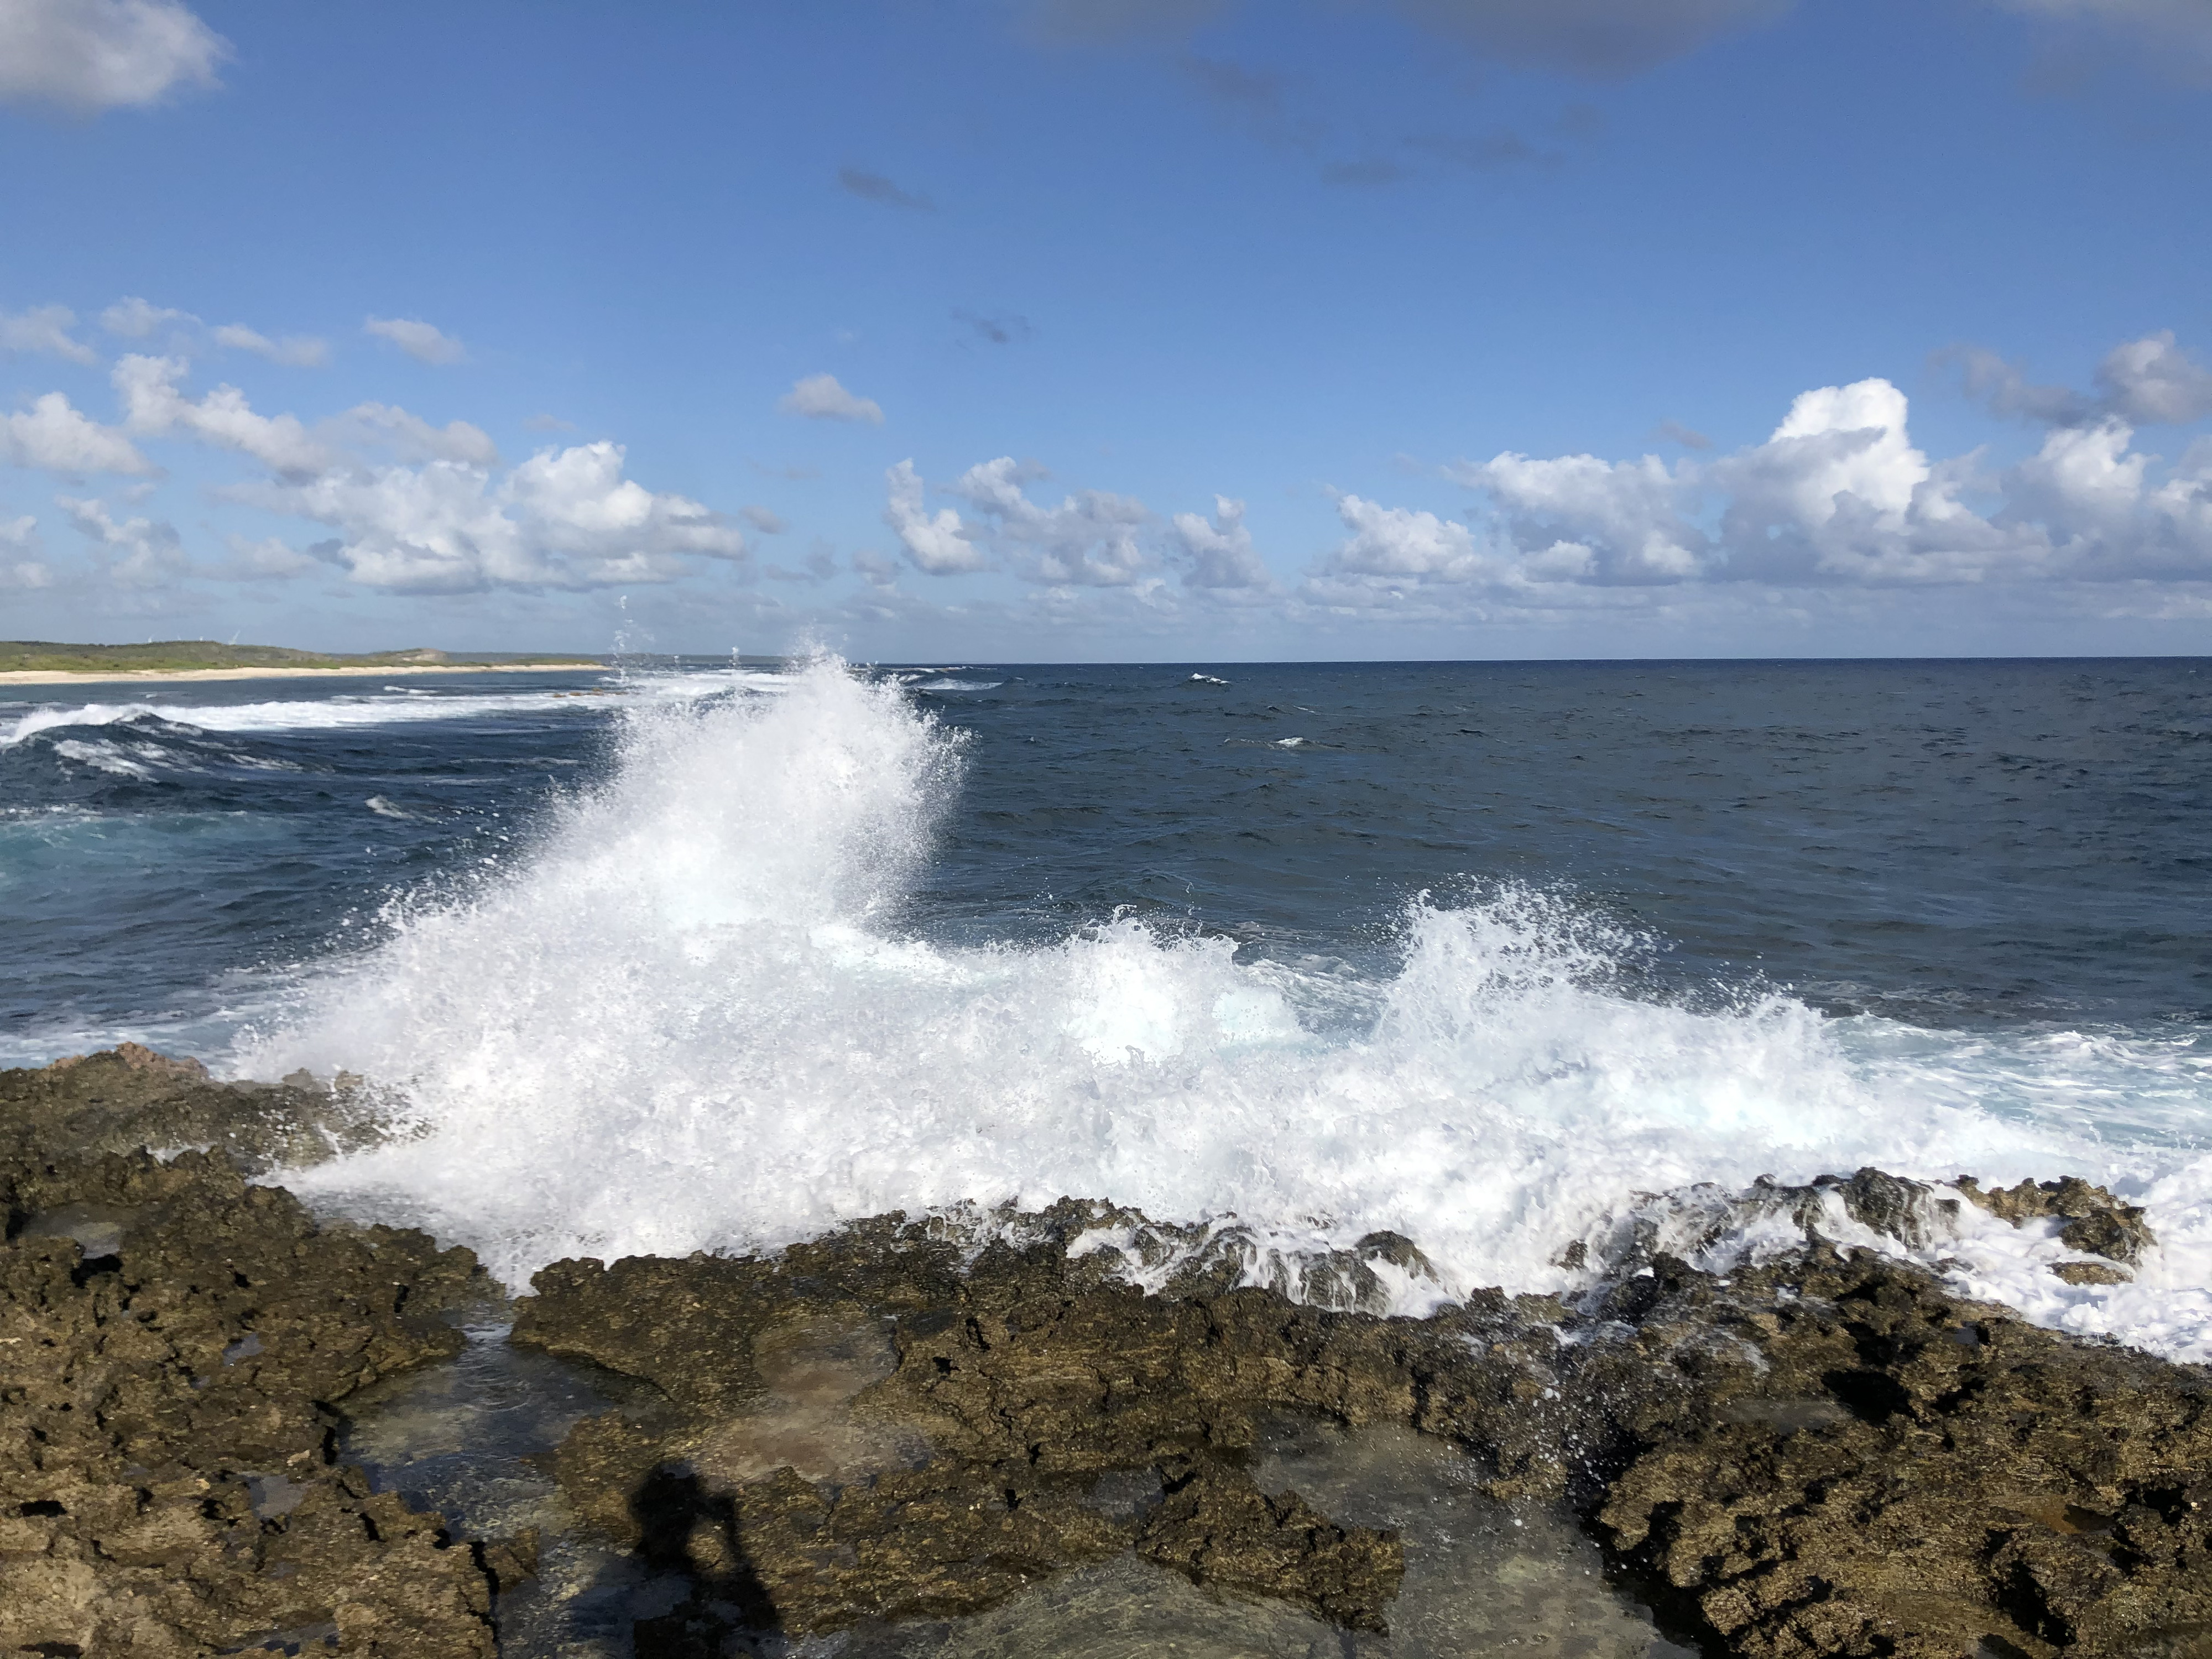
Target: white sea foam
x=397, y=705
x=691, y=1020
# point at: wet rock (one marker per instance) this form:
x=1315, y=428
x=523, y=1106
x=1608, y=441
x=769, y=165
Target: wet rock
x=958, y=1465
x=1217, y=1528
x=1929, y=1476
x=2089, y=1272
x=167, y=1390
x=1826, y=1455
x=130, y=1097
x=2097, y=1223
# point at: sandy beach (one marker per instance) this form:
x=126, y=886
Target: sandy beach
x=99, y=676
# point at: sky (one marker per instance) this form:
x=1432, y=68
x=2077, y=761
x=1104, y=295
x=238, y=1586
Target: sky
x=1030, y=331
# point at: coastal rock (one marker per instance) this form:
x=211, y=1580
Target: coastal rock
x=2096, y=1222
x=128, y=1098
x=860, y=1429
x=1826, y=1455
x=172, y=1342
x=1909, y=1473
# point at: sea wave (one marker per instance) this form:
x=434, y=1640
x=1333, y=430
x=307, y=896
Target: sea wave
x=395, y=705
x=697, y=1018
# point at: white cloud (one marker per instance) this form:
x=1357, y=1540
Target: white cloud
x=91, y=55
x=153, y=405
x=136, y=553
x=422, y=341
x=1582, y=518
x=937, y=544
x=1089, y=540
x=762, y=519
x=1400, y=545
x=1220, y=555
x=53, y=434
x=819, y=398
x=21, y=566
x=2152, y=380
x=133, y=318
x=563, y=518
x=44, y=328
x=294, y=350
x=2145, y=382
x=1837, y=496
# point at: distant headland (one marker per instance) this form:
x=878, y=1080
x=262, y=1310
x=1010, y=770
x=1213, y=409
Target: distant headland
x=31, y=662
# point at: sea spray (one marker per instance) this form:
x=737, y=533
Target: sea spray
x=699, y=1015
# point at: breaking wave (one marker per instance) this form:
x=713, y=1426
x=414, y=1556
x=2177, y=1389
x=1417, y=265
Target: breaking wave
x=701, y=1015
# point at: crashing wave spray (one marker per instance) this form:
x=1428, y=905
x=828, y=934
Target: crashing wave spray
x=690, y=1020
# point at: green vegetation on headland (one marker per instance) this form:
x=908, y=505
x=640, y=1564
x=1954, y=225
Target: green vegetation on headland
x=181, y=656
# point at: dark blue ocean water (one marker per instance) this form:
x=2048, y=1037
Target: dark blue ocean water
x=1497, y=956
x=1950, y=843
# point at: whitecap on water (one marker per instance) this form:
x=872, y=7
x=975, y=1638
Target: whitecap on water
x=694, y=1020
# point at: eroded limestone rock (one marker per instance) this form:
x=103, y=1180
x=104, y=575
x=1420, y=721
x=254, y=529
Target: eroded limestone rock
x=172, y=1342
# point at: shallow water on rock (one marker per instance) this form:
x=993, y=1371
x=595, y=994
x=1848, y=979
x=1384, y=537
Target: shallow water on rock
x=1481, y=1577
x=475, y=1437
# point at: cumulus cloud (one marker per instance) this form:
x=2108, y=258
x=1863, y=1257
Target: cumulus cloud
x=1399, y=546
x=153, y=406
x=2145, y=382
x=44, y=328
x=55, y=435
x=1219, y=554
x=424, y=342
x=2153, y=381
x=294, y=350
x=134, y=553
x=1578, y=516
x=1089, y=540
x=133, y=318
x=762, y=519
x=819, y=398
x=874, y=187
x=92, y=55
x=937, y=543
x=563, y=518
x=1837, y=496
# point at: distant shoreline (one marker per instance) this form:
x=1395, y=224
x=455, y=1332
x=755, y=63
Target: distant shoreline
x=273, y=672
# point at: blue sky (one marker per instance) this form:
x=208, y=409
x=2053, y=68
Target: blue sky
x=1032, y=330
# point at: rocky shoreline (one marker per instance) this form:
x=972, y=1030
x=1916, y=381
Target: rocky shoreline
x=1828, y=1454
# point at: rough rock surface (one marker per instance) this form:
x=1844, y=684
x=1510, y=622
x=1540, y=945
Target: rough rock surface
x=1827, y=1455
x=172, y=1341
x=2097, y=1223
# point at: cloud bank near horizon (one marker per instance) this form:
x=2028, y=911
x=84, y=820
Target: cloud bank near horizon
x=1837, y=499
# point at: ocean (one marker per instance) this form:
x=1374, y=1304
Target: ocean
x=697, y=955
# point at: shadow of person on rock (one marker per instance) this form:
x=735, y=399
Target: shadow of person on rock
x=685, y=1529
